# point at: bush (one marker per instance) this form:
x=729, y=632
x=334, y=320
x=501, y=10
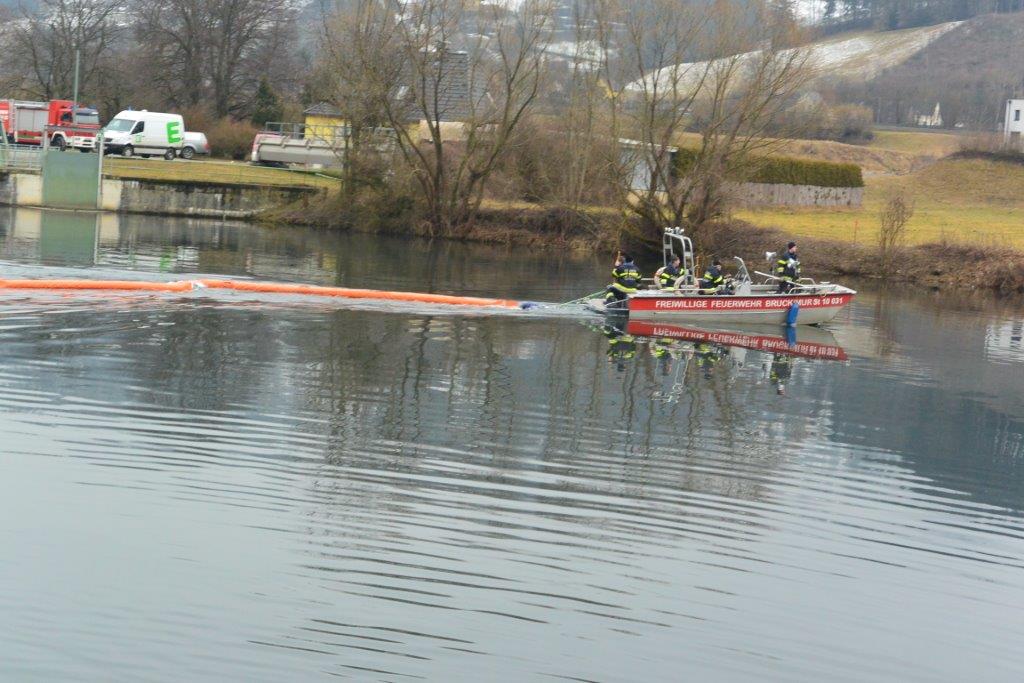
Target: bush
x=892, y=231
x=230, y=139
x=813, y=119
x=198, y=119
x=991, y=146
x=785, y=171
x=790, y=171
x=545, y=164
x=851, y=122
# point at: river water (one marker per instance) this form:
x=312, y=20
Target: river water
x=201, y=487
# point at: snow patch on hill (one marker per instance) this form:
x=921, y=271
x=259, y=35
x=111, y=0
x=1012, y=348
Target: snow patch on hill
x=863, y=56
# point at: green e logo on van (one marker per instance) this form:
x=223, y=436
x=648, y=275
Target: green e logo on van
x=173, y=132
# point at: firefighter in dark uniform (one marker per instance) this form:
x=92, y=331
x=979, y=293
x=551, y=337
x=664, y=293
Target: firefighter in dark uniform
x=626, y=279
x=787, y=268
x=667, y=275
x=713, y=278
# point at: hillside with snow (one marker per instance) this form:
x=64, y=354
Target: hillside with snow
x=860, y=57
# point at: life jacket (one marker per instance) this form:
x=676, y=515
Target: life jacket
x=627, y=277
x=712, y=278
x=668, y=276
x=787, y=267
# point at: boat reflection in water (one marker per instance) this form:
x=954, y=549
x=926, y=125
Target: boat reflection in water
x=677, y=347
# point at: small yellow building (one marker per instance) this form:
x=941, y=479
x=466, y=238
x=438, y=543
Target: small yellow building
x=322, y=121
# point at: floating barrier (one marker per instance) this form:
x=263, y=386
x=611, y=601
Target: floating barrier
x=264, y=287
x=101, y=285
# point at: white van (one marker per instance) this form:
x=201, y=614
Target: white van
x=145, y=133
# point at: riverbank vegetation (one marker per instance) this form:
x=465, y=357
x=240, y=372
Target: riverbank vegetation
x=606, y=129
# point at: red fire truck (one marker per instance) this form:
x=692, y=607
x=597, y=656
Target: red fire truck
x=27, y=122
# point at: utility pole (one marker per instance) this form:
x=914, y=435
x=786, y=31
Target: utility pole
x=74, y=103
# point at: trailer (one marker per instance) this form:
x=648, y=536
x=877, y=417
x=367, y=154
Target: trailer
x=314, y=146
x=58, y=121
x=285, y=144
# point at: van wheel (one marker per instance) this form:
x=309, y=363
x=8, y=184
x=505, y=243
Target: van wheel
x=169, y=154
x=128, y=151
x=187, y=153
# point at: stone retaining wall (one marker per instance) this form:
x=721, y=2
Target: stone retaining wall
x=198, y=199
x=205, y=200
x=763, y=194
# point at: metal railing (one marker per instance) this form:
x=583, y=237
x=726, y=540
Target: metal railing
x=325, y=132
x=21, y=157
x=303, y=131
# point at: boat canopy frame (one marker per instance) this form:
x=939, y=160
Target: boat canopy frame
x=675, y=242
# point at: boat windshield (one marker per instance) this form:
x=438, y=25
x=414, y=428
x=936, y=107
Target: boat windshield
x=120, y=125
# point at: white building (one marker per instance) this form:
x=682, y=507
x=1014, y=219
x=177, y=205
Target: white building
x=933, y=120
x=1013, y=122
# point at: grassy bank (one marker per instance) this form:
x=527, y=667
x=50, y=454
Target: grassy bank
x=935, y=265
x=212, y=172
x=964, y=201
x=889, y=152
x=930, y=144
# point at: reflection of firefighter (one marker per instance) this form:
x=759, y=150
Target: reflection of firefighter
x=665, y=350
x=621, y=346
x=782, y=368
x=708, y=356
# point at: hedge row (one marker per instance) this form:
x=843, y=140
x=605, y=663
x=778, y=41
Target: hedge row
x=787, y=171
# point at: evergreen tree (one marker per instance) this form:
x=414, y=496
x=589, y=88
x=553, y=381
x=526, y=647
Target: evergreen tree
x=266, y=106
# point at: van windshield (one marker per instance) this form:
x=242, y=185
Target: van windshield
x=120, y=125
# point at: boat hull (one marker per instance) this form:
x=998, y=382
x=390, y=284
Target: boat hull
x=750, y=310
x=809, y=343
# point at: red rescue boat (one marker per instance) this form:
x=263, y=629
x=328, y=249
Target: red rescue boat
x=738, y=301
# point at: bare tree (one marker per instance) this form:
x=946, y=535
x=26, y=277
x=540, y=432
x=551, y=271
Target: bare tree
x=357, y=76
x=214, y=51
x=171, y=34
x=10, y=78
x=44, y=41
x=892, y=230
x=455, y=81
x=698, y=88
x=590, y=116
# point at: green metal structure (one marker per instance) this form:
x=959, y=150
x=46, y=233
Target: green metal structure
x=71, y=180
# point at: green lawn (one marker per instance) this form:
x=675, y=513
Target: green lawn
x=921, y=143
x=220, y=172
x=955, y=200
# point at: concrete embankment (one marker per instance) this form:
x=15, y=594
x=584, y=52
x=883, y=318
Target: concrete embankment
x=168, y=198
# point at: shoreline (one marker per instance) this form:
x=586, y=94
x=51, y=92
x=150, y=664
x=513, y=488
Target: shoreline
x=933, y=266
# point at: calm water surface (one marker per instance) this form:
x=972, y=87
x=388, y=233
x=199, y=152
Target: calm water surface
x=269, y=488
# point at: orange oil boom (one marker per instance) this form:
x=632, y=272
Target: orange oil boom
x=262, y=287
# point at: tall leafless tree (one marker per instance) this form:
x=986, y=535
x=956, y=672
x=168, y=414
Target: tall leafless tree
x=710, y=79
x=213, y=52
x=354, y=74
x=456, y=81
x=43, y=42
